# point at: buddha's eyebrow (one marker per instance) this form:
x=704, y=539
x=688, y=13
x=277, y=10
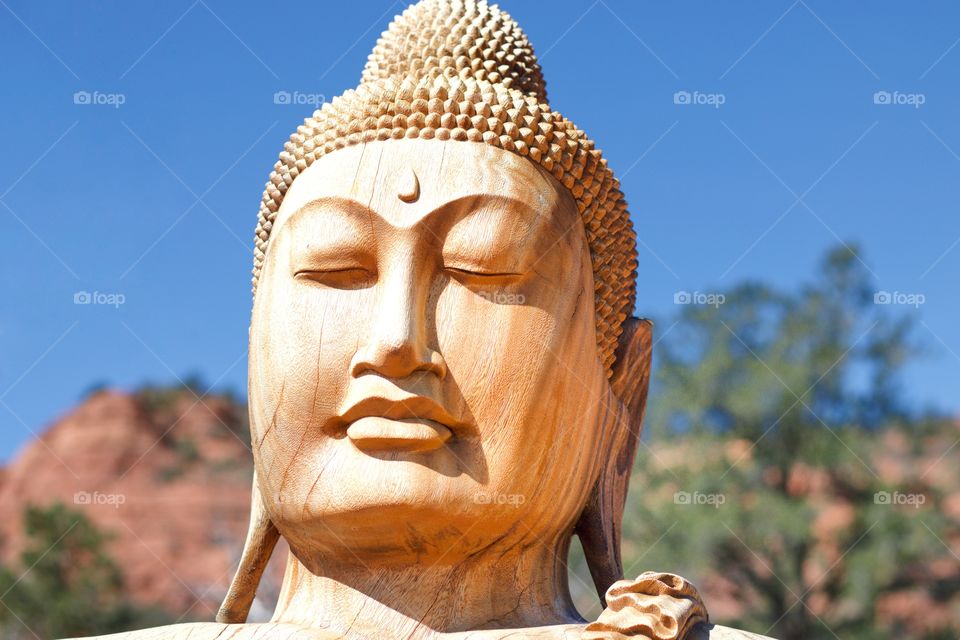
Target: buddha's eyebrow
x=342, y=205
x=467, y=205
x=454, y=210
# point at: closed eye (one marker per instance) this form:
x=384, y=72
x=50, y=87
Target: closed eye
x=345, y=278
x=482, y=278
x=481, y=273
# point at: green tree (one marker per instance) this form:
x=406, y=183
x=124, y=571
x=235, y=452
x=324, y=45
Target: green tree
x=759, y=480
x=66, y=586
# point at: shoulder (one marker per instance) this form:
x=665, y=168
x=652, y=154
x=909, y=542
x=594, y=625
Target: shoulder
x=714, y=632
x=213, y=631
x=216, y=631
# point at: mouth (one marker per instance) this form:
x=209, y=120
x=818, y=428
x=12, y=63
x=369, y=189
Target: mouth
x=406, y=424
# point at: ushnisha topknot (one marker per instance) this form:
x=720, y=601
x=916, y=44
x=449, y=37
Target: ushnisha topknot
x=457, y=39
x=463, y=70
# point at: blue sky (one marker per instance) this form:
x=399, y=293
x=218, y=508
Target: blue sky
x=781, y=150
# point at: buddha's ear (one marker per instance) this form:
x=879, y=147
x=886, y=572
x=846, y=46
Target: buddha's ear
x=262, y=537
x=631, y=371
x=599, y=525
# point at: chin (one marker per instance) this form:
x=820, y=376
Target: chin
x=388, y=531
x=404, y=510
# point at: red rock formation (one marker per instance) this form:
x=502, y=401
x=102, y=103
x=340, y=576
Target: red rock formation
x=166, y=474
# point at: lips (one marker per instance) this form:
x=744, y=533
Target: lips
x=408, y=423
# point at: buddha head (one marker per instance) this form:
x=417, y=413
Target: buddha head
x=442, y=359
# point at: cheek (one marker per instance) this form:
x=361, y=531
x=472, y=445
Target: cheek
x=302, y=343
x=527, y=371
x=494, y=350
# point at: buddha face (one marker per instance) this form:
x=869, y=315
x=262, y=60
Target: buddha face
x=424, y=377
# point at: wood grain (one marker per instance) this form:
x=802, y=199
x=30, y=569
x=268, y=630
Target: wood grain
x=445, y=381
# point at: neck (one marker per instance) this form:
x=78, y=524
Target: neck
x=508, y=588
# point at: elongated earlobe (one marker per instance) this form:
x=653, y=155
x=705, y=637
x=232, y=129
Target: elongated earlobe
x=599, y=525
x=262, y=537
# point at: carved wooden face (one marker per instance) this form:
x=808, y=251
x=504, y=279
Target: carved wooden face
x=424, y=377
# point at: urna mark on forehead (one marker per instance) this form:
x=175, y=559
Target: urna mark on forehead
x=415, y=182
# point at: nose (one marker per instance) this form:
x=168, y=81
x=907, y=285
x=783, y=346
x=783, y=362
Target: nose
x=397, y=345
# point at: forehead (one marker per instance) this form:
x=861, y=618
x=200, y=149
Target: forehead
x=374, y=174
